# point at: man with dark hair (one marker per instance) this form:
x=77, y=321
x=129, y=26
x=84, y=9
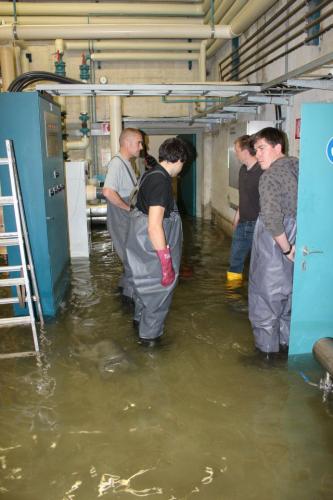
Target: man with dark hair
x=153, y=246
x=248, y=209
x=119, y=182
x=273, y=249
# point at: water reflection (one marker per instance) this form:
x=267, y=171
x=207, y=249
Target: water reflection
x=202, y=417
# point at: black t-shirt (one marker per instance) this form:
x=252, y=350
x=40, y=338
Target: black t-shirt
x=155, y=190
x=249, y=193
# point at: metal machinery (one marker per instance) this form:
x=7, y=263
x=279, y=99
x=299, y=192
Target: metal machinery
x=33, y=122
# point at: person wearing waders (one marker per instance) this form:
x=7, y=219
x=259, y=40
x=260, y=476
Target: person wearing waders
x=119, y=183
x=248, y=210
x=273, y=248
x=154, y=241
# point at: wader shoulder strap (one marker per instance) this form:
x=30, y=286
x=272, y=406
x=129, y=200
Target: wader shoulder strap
x=128, y=170
x=134, y=194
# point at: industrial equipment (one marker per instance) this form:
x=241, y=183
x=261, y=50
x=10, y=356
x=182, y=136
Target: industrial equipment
x=33, y=122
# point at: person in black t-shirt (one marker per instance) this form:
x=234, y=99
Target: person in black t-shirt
x=248, y=209
x=153, y=247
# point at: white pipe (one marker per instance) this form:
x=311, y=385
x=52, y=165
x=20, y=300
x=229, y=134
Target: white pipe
x=202, y=61
x=144, y=56
x=218, y=6
x=102, y=31
x=61, y=100
x=118, y=8
x=250, y=13
x=59, y=45
x=63, y=20
x=115, y=123
x=222, y=10
x=17, y=56
x=132, y=45
x=202, y=69
x=225, y=15
x=243, y=20
x=84, y=104
x=7, y=66
x=82, y=143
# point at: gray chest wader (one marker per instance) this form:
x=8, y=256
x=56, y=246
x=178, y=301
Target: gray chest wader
x=270, y=288
x=152, y=300
x=117, y=224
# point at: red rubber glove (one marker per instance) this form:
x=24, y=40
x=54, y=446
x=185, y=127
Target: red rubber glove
x=168, y=274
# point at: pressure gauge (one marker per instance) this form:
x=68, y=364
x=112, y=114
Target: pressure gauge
x=103, y=80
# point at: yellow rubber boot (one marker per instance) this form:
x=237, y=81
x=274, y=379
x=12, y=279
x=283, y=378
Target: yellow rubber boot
x=234, y=276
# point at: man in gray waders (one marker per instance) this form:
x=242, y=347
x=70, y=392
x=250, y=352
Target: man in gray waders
x=273, y=249
x=154, y=241
x=119, y=183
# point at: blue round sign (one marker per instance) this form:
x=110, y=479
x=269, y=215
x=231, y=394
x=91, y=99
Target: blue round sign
x=329, y=150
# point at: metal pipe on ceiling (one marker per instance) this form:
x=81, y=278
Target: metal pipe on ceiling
x=116, y=8
x=106, y=31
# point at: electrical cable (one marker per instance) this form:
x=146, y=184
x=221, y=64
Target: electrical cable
x=26, y=79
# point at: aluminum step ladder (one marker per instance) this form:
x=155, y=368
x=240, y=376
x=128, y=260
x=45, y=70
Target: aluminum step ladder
x=20, y=239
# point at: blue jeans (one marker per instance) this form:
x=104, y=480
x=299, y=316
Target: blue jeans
x=241, y=245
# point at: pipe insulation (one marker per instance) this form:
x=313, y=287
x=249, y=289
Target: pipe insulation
x=252, y=11
x=115, y=104
x=114, y=8
x=94, y=193
x=133, y=44
x=62, y=20
x=144, y=56
x=7, y=61
x=106, y=31
x=82, y=143
x=323, y=352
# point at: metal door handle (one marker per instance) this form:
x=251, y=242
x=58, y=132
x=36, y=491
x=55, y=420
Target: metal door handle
x=306, y=251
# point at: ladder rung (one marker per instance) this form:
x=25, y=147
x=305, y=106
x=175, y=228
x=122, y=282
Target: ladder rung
x=19, y=320
x=4, y=161
x=10, y=269
x=8, y=239
x=18, y=354
x=12, y=234
x=12, y=281
x=6, y=200
x=10, y=300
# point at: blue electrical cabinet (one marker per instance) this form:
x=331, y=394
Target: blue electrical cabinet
x=33, y=122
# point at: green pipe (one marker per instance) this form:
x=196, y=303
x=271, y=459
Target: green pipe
x=212, y=13
x=14, y=11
